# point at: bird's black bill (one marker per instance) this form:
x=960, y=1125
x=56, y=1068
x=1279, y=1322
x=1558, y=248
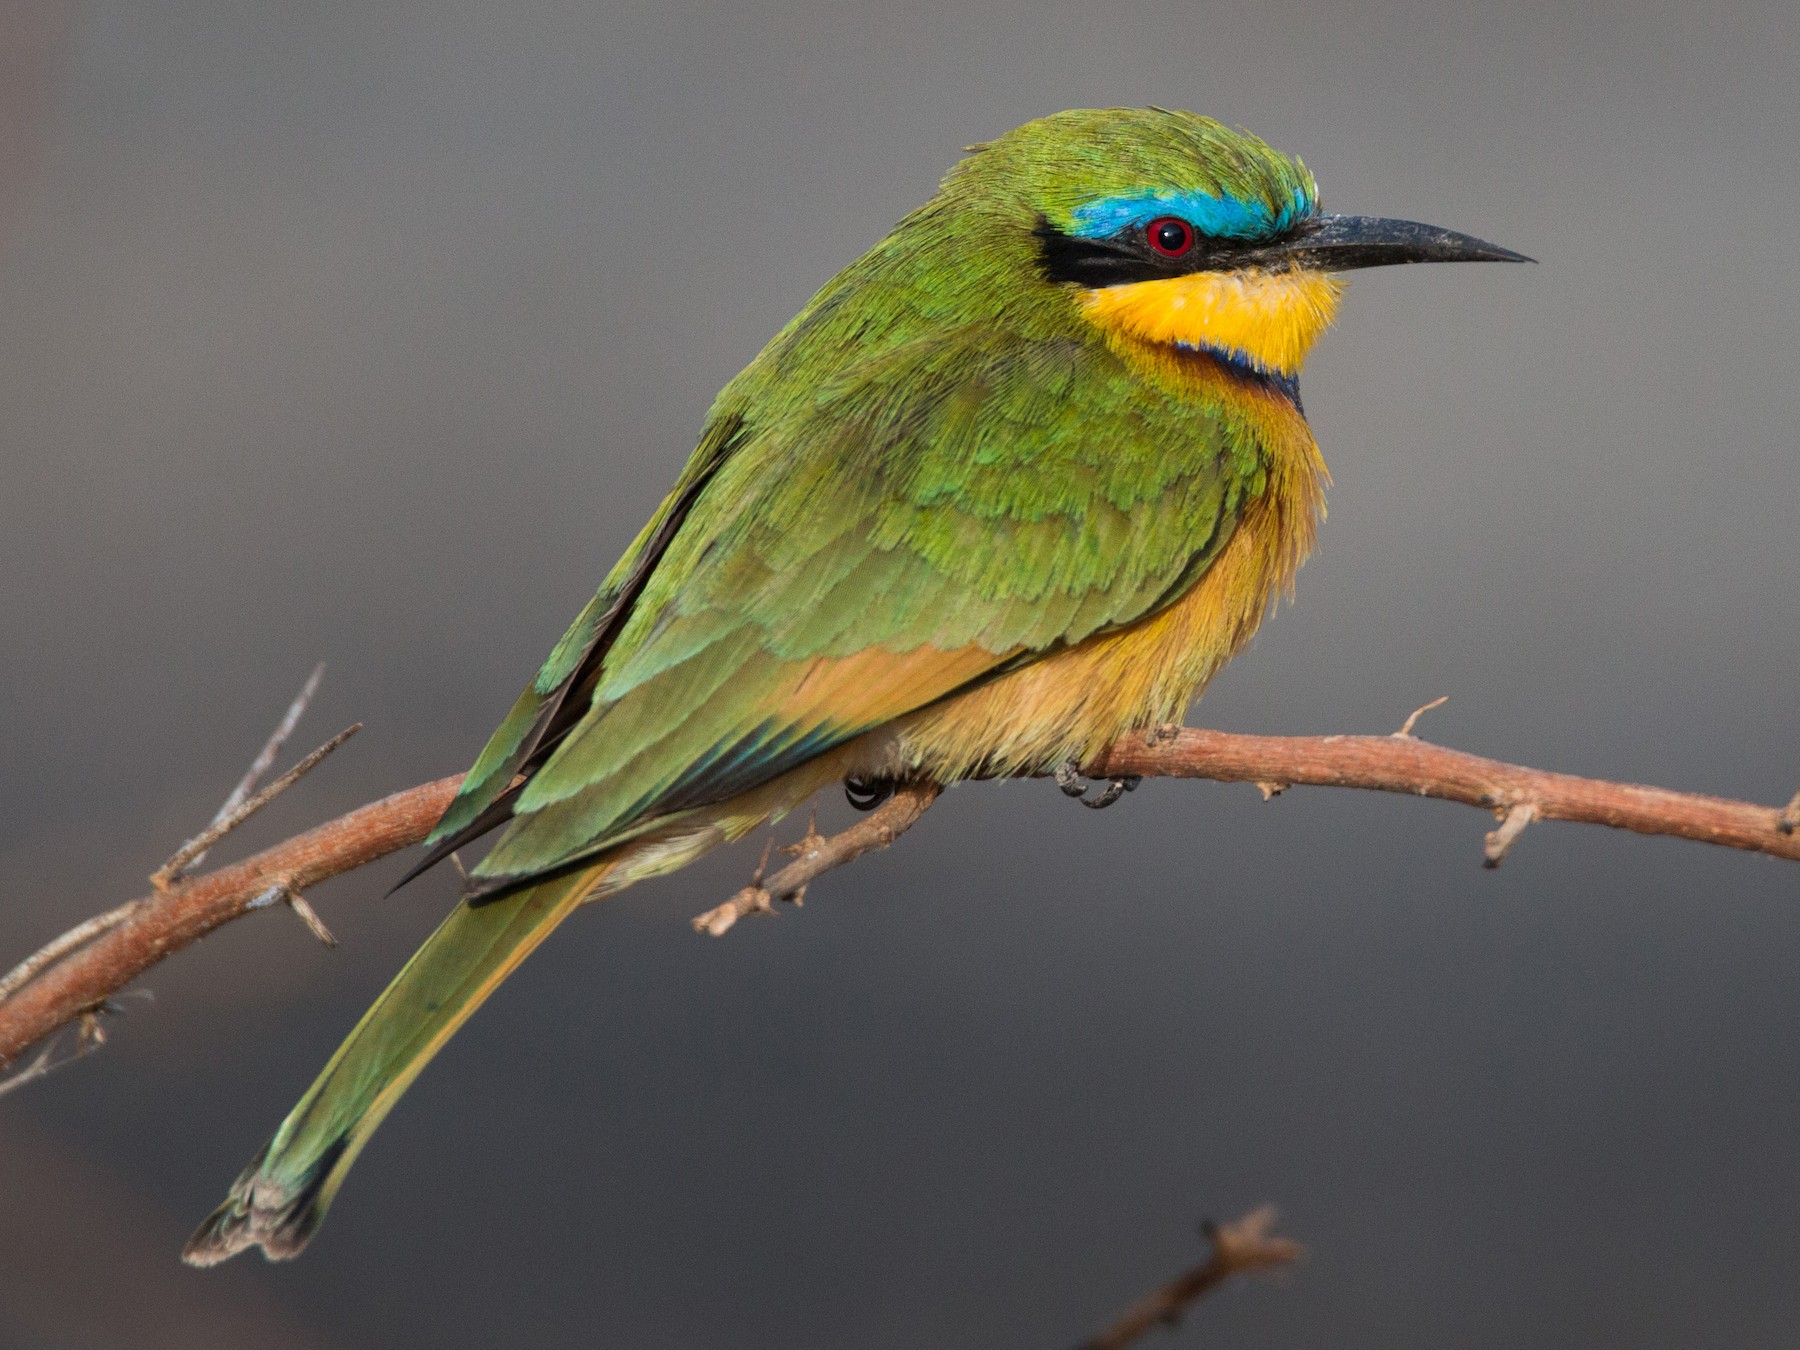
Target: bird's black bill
x=1341, y=243
x=1321, y=243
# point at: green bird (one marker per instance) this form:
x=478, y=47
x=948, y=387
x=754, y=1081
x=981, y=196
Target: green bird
x=1017, y=481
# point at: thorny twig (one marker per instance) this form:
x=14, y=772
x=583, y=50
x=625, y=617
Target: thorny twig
x=264, y=761
x=167, y=883
x=227, y=821
x=238, y=807
x=1237, y=1249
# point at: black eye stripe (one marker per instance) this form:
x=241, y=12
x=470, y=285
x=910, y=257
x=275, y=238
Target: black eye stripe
x=1129, y=256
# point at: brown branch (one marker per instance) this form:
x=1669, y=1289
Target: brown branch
x=193, y=907
x=77, y=973
x=818, y=855
x=1420, y=769
x=1237, y=1249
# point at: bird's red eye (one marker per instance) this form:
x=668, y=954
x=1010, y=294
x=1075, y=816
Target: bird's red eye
x=1170, y=236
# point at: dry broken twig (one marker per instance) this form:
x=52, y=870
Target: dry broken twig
x=817, y=855
x=193, y=907
x=78, y=972
x=236, y=813
x=193, y=853
x=1406, y=727
x=1237, y=1249
x=72, y=977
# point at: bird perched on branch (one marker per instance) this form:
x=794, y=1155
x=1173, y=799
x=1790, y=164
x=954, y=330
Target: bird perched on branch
x=1015, y=482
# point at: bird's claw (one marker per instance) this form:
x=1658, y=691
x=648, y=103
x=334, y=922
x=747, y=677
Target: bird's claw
x=1069, y=779
x=865, y=794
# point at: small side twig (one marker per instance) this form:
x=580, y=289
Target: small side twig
x=1237, y=1249
x=819, y=854
x=41, y=1067
x=89, y=1037
x=264, y=761
x=1406, y=727
x=1499, y=842
x=225, y=822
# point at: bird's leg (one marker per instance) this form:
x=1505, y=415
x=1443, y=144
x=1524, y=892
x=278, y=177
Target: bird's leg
x=1069, y=779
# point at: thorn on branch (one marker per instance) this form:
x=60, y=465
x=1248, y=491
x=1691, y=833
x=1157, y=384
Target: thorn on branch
x=1271, y=790
x=281, y=892
x=762, y=863
x=1237, y=1249
x=310, y=917
x=89, y=1034
x=1513, y=821
x=1406, y=727
x=1790, y=817
x=224, y=823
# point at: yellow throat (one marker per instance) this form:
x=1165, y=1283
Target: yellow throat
x=1269, y=319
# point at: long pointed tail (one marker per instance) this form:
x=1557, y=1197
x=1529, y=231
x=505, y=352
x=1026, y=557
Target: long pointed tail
x=282, y=1196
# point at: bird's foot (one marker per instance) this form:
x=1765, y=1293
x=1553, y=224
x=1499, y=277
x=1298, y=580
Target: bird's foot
x=1069, y=779
x=865, y=794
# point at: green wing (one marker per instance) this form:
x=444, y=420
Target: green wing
x=960, y=503
x=554, y=701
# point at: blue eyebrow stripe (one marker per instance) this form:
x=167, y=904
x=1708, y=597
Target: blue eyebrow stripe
x=1220, y=217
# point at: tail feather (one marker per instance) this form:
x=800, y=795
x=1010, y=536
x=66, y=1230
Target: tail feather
x=281, y=1197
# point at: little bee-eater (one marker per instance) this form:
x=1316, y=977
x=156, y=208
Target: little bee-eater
x=1019, y=480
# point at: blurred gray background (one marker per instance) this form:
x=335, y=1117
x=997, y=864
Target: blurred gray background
x=372, y=332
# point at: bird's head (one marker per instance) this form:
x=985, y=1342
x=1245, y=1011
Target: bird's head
x=1174, y=230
